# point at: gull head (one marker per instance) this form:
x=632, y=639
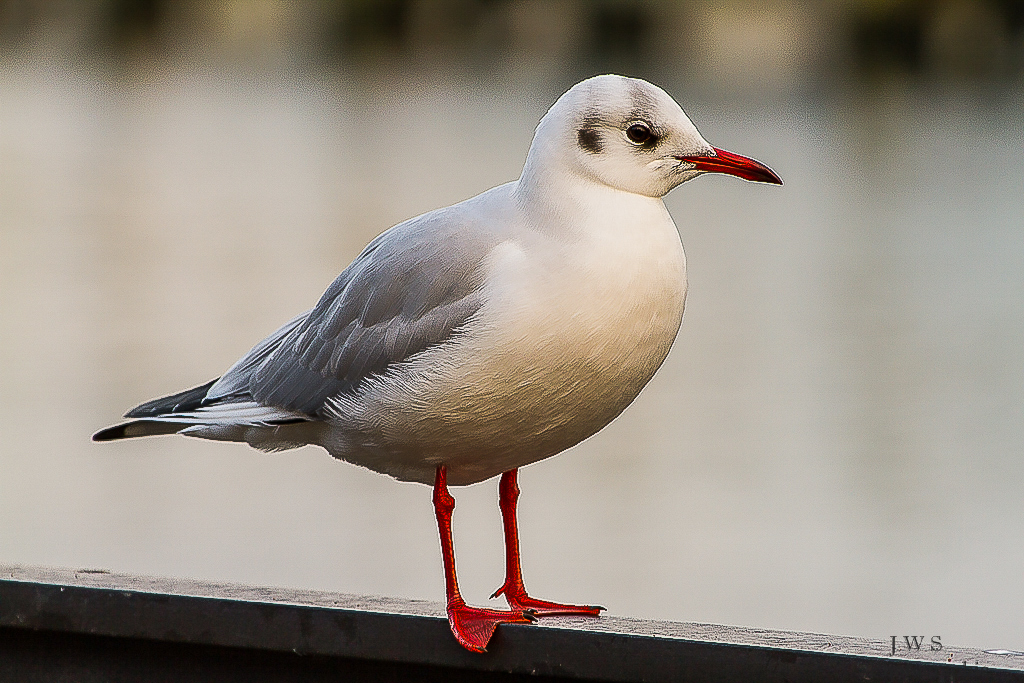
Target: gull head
x=631, y=135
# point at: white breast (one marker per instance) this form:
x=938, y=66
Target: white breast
x=582, y=324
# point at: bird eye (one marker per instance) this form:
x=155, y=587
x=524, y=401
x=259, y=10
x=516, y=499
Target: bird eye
x=639, y=134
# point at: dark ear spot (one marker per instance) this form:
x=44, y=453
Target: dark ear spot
x=589, y=140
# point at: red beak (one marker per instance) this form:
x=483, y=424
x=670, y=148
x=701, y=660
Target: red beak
x=733, y=164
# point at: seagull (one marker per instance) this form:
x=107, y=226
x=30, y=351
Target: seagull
x=475, y=339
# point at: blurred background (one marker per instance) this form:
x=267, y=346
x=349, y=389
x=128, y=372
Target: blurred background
x=835, y=444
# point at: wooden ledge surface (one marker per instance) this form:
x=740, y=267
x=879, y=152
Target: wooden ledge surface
x=414, y=633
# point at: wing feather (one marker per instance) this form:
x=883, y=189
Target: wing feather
x=413, y=287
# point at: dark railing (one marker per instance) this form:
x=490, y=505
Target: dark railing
x=90, y=625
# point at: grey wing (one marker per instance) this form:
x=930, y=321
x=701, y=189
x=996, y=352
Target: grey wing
x=411, y=288
x=236, y=380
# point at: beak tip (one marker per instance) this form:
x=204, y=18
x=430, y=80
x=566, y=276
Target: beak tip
x=737, y=165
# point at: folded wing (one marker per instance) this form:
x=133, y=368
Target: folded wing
x=410, y=289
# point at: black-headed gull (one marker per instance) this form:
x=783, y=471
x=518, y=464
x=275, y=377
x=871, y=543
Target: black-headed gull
x=481, y=337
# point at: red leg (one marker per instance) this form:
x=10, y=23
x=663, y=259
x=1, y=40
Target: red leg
x=473, y=627
x=513, y=589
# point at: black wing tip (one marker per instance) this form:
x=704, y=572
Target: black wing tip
x=137, y=428
x=112, y=433
x=190, y=399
